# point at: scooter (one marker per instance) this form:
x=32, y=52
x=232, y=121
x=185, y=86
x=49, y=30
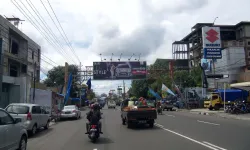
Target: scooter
x=94, y=133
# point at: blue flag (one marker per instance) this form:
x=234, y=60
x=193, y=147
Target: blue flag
x=156, y=95
x=89, y=83
x=68, y=89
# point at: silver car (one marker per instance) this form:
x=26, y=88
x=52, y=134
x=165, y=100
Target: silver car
x=13, y=134
x=33, y=116
x=123, y=70
x=71, y=111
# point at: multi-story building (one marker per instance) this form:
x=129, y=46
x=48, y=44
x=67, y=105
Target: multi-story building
x=235, y=40
x=20, y=63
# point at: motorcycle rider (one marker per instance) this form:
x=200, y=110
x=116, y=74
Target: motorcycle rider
x=94, y=116
x=158, y=106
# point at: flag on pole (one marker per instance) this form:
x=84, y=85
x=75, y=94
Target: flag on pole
x=156, y=95
x=68, y=89
x=89, y=83
x=178, y=90
x=166, y=89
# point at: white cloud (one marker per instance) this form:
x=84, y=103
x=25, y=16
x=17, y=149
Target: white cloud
x=129, y=26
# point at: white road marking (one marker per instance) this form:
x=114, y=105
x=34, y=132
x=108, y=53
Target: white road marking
x=159, y=125
x=170, y=115
x=95, y=149
x=214, y=145
x=208, y=122
x=188, y=138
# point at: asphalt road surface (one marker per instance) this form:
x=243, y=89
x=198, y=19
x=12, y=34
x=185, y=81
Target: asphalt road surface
x=173, y=131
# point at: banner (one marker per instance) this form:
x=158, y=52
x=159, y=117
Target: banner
x=119, y=70
x=166, y=89
x=68, y=89
x=156, y=95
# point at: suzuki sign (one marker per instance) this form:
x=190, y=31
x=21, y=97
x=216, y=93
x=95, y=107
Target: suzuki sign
x=211, y=42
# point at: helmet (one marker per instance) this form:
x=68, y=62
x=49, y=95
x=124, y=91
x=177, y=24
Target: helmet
x=95, y=106
x=92, y=106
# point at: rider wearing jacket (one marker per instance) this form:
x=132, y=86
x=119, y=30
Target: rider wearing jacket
x=94, y=116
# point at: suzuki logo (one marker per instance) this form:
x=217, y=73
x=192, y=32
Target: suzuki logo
x=212, y=35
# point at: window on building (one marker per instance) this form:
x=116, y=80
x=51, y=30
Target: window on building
x=37, y=75
x=248, y=43
x=14, y=47
x=24, y=68
x=38, y=55
x=32, y=55
x=13, y=70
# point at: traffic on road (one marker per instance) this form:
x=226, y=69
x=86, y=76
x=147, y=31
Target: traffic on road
x=171, y=130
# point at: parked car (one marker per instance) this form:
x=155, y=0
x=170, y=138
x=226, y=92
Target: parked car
x=13, y=135
x=167, y=105
x=71, y=111
x=111, y=104
x=33, y=116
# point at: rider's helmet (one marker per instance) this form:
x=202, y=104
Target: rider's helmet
x=96, y=106
x=92, y=106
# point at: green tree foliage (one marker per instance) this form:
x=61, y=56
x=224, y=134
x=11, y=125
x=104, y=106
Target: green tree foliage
x=139, y=88
x=90, y=95
x=55, y=77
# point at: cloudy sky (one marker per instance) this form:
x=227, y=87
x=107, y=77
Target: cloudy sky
x=146, y=27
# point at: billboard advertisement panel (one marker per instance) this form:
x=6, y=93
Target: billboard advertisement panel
x=119, y=70
x=211, y=42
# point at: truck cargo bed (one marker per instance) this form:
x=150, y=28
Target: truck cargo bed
x=149, y=114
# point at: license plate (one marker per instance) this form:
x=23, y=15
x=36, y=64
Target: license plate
x=67, y=112
x=142, y=121
x=93, y=129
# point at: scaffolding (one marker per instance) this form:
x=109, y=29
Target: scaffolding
x=180, y=50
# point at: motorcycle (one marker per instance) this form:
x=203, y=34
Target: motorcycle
x=159, y=110
x=94, y=133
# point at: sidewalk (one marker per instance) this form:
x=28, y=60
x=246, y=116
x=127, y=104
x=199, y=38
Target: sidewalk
x=220, y=113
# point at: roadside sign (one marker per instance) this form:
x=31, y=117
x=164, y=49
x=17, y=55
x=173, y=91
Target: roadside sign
x=211, y=42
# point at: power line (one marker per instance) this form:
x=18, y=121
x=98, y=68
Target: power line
x=53, y=20
x=34, y=24
x=45, y=24
x=53, y=37
x=68, y=42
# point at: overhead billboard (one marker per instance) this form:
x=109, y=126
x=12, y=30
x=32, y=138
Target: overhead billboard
x=119, y=70
x=211, y=42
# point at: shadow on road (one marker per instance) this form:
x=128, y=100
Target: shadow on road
x=144, y=127
x=104, y=140
x=41, y=133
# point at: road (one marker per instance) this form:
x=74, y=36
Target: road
x=173, y=130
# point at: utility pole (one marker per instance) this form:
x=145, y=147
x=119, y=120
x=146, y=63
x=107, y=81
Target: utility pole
x=34, y=83
x=123, y=90
x=80, y=85
x=1, y=70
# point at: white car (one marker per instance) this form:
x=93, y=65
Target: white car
x=13, y=134
x=111, y=104
x=32, y=115
x=71, y=111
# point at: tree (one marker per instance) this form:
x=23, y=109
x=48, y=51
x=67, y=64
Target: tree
x=91, y=95
x=139, y=88
x=55, y=77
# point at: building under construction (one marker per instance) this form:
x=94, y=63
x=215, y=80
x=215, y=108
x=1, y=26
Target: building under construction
x=232, y=36
x=190, y=47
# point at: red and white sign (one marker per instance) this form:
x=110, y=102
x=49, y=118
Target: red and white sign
x=211, y=37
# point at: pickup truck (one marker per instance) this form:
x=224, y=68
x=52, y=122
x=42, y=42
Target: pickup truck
x=131, y=114
x=111, y=104
x=167, y=106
